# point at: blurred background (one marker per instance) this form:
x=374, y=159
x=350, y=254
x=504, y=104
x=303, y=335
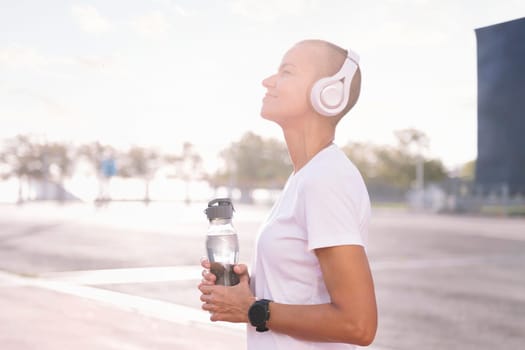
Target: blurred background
x=119, y=120
x=159, y=100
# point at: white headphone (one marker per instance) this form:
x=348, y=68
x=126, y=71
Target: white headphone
x=330, y=95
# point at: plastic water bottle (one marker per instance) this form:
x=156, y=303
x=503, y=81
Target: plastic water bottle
x=222, y=244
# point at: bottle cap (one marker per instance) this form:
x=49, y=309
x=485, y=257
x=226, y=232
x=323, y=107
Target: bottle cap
x=220, y=208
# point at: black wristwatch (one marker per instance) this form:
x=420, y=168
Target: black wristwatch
x=259, y=314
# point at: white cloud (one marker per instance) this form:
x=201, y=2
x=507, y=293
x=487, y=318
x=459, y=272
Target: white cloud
x=398, y=34
x=94, y=62
x=408, y=2
x=180, y=10
x=152, y=25
x=270, y=10
x=173, y=6
x=90, y=20
x=51, y=106
x=16, y=57
x=29, y=58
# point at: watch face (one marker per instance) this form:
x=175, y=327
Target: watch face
x=257, y=315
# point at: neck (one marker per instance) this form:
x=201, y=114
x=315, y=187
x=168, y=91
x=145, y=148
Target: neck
x=304, y=143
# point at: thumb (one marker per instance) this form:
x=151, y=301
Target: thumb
x=242, y=271
x=244, y=278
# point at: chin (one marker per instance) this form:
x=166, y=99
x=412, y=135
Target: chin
x=274, y=116
x=265, y=114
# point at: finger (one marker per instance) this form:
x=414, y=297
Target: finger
x=207, y=283
x=244, y=278
x=201, y=286
x=208, y=276
x=215, y=317
x=205, y=288
x=240, y=269
x=207, y=307
x=206, y=298
x=205, y=262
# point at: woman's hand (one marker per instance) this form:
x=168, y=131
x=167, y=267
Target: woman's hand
x=208, y=278
x=229, y=304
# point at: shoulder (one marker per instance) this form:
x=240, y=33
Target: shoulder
x=331, y=168
x=331, y=179
x=333, y=201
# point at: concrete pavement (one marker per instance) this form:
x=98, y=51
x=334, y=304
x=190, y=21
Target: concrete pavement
x=77, y=277
x=37, y=317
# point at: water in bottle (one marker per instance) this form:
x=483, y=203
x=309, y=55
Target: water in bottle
x=222, y=244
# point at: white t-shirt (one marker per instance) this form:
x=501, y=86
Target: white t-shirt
x=324, y=204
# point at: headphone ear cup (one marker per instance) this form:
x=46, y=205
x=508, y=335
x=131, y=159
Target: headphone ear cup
x=327, y=95
x=332, y=95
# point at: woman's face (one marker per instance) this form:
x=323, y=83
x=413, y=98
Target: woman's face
x=288, y=91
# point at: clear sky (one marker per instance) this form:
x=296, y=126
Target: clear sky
x=162, y=72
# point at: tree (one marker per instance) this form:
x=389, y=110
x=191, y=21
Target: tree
x=395, y=167
x=408, y=139
x=188, y=166
x=57, y=160
x=254, y=162
x=468, y=170
x=414, y=142
x=22, y=159
x=434, y=170
x=140, y=162
x=4, y=167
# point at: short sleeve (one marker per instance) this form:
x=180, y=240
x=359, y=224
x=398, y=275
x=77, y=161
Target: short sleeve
x=331, y=214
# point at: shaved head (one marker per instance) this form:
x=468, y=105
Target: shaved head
x=329, y=57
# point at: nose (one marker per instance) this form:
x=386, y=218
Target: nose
x=269, y=82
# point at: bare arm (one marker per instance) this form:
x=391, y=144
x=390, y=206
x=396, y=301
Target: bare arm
x=351, y=317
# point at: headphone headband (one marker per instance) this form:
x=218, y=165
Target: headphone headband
x=353, y=56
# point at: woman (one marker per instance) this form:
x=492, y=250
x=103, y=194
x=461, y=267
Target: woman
x=311, y=285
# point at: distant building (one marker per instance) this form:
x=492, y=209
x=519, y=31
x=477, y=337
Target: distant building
x=501, y=107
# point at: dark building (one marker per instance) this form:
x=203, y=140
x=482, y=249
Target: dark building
x=501, y=107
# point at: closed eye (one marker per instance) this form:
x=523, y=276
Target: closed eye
x=284, y=69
